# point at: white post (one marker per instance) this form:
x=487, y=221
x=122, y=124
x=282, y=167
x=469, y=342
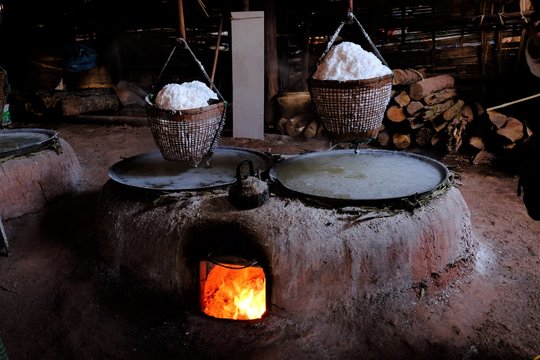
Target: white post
x=247, y=44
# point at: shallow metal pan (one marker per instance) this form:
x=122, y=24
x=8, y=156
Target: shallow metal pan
x=150, y=172
x=365, y=176
x=17, y=142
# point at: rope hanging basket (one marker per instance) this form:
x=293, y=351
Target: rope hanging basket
x=188, y=135
x=351, y=110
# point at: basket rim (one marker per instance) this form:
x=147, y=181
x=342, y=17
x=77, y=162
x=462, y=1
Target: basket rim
x=347, y=83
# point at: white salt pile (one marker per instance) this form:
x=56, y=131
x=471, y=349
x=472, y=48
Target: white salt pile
x=188, y=95
x=348, y=61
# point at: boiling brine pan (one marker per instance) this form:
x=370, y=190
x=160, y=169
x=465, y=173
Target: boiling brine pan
x=17, y=142
x=360, y=176
x=150, y=172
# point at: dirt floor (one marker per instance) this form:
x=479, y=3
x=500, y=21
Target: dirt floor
x=58, y=300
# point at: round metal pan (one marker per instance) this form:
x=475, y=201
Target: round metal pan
x=150, y=172
x=360, y=176
x=17, y=142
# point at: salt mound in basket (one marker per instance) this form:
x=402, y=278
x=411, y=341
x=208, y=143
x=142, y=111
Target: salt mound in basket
x=186, y=121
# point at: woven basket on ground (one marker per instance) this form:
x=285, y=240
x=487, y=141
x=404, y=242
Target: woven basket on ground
x=186, y=135
x=351, y=110
x=97, y=77
x=294, y=103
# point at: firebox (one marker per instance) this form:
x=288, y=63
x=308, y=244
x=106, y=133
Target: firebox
x=232, y=288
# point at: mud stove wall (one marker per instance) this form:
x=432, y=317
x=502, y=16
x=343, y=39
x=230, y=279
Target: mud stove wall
x=314, y=258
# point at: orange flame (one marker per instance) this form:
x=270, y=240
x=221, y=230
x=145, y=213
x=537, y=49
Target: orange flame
x=234, y=293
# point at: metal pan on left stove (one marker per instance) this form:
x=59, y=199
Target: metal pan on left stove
x=150, y=172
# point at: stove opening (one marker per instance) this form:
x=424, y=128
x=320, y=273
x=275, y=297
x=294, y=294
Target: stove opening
x=232, y=288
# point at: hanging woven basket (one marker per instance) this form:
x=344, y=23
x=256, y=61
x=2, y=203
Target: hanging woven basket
x=187, y=135
x=351, y=111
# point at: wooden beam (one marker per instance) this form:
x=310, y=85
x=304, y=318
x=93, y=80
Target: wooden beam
x=271, y=60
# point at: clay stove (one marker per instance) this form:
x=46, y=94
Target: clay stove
x=37, y=166
x=315, y=257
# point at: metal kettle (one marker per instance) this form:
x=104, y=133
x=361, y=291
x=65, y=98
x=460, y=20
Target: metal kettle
x=249, y=191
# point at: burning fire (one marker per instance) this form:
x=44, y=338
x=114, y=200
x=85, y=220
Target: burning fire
x=233, y=292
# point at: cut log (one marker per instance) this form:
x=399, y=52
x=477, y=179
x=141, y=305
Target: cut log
x=311, y=129
x=402, y=99
x=454, y=132
x=497, y=119
x=423, y=136
x=453, y=110
x=408, y=76
x=467, y=113
x=129, y=93
x=477, y=142
x=281, y=124
x=395, y=114
x=414, y=107
x=440, y=96
x=423, y=88
x=296, y=125
x=433, y=111
x=383, y=138
x=401, y=141
x=483, y=157
x=438, y=123
x=512, y=130
x=76, y=105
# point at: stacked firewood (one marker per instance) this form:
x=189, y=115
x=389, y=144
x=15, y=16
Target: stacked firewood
x=424, y=111
x=297, y=116
x=494, y=135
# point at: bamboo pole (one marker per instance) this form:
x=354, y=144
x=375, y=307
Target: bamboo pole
x=216, y=53
x=271, y=63
x=513, y=102
x=181, y=19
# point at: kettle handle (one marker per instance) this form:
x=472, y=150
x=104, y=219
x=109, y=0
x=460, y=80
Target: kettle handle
x=239, y=169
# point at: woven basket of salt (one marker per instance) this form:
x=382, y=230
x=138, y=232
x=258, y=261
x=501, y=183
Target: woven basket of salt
x=351, y=110
x=186, y=135
x=186, y=120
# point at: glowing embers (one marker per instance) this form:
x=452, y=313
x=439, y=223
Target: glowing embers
x=232, y=289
